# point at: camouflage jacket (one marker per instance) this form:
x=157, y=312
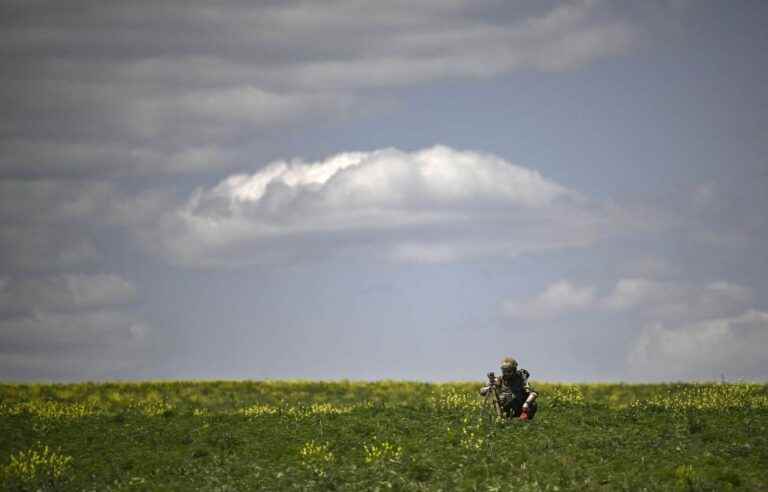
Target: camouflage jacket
x=516, y=387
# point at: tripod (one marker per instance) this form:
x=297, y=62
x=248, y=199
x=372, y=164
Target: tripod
x=491, y=404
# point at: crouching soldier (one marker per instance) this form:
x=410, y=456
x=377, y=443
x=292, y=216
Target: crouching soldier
x=516, y=396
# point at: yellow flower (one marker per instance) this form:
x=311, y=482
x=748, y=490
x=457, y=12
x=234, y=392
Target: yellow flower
x=36, y=464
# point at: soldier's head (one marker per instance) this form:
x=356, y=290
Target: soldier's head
x=508, y=366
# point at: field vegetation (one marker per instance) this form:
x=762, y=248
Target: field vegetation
x=282, y=435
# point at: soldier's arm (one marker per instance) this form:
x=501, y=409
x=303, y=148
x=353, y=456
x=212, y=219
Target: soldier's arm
x=532, y=395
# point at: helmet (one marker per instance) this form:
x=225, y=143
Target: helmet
x=508, y=364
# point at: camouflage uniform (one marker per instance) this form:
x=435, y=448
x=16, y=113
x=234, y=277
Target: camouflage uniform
x=513, y=391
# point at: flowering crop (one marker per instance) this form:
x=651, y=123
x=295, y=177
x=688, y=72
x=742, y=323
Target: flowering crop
x=472, y=437
x=296, y=411
x=381, y=452
x=564, y=395
x=49, y=409
x=456, y=400
x=317, y=458
x=37, y=466
x=680, y=398
x=305, y=435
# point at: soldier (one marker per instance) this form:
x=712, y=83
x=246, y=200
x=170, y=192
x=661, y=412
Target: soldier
x=516, y=397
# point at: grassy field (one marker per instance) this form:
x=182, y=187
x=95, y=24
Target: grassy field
x=379, y=436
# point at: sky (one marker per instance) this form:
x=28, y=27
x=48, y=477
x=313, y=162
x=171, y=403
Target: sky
x=383, y=190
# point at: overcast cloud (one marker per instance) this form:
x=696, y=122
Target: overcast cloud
x=170, y=87
x=64, y=292
x=354, y=189
x=68, y=323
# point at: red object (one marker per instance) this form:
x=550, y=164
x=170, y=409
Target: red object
x=524, y=415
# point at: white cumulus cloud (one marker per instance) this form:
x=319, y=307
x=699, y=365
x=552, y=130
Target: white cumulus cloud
x=646, y=298
x=558, y=298
x=731, y=346
x=682, y=330
x=669, y=300
x=436, y=204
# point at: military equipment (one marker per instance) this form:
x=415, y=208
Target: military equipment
x=492, y=404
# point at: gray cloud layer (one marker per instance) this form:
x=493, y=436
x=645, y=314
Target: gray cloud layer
x=98, y=343
x=65, y=325
x=169, y=87
x=65, y=292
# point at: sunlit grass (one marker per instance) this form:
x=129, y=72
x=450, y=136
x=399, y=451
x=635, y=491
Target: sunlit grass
x=276, y=435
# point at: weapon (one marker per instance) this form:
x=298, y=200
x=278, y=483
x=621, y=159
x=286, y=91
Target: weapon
x=492, y=396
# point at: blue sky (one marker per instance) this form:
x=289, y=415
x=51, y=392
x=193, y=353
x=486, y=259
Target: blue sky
x=371, y=190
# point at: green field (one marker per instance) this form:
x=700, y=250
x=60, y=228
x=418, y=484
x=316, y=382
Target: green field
x=379, y=436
